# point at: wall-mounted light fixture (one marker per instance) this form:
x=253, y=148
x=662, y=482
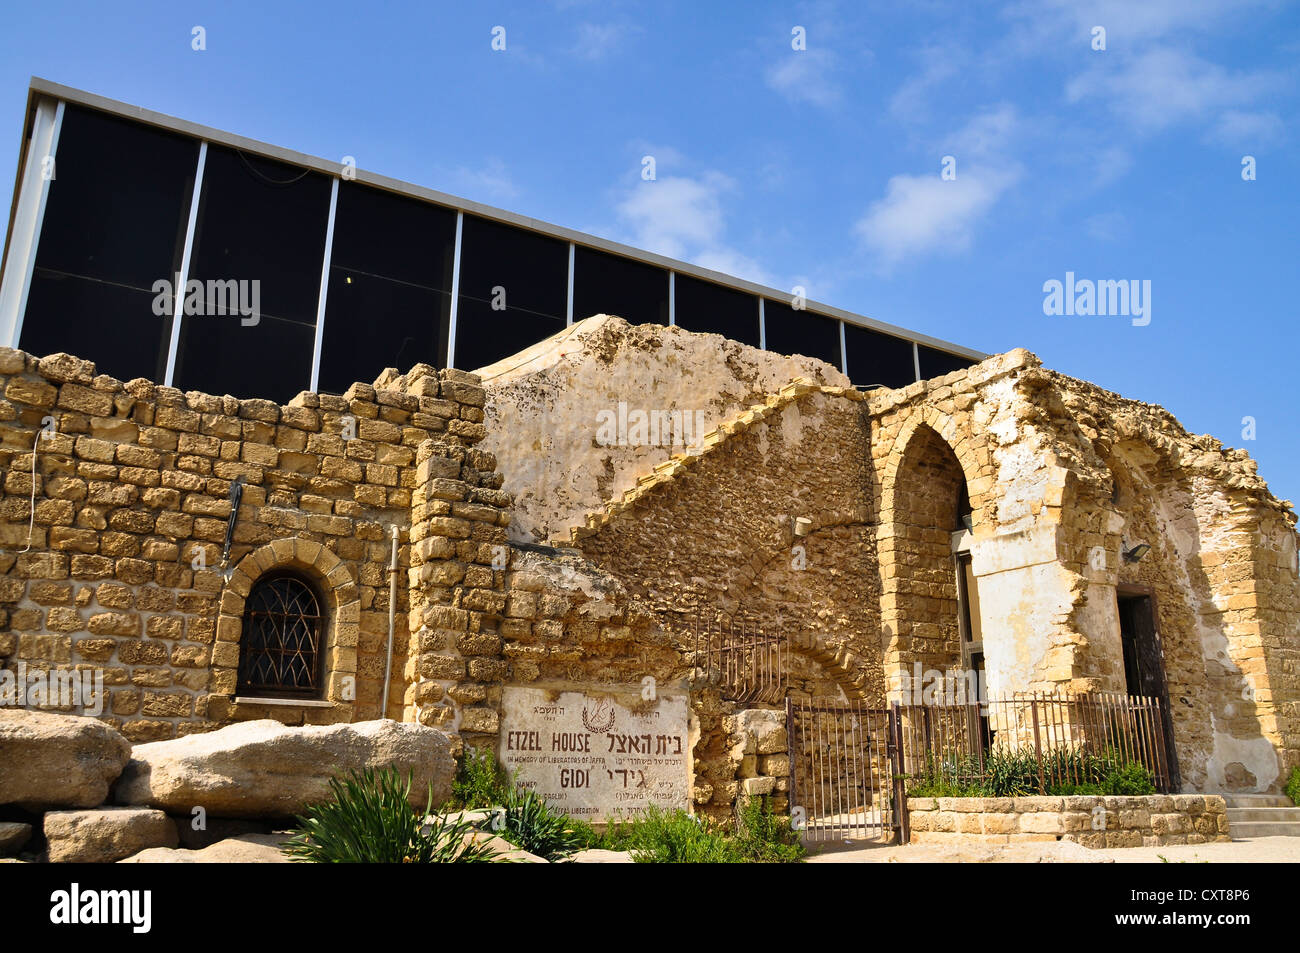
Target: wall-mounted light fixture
x=802, y=525
x=1136, y=553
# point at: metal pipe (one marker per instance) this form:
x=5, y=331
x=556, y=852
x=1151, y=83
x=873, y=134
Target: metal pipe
x=392, y=620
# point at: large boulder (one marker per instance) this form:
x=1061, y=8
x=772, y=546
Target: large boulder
x=244, y=849
x=266, y=769
x=106, y=834
x=51, y=760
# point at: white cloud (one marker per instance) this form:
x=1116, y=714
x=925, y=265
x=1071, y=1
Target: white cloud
x=1106, y=226
x=938, y=65
x=920, y=214
x=684, y=217
x=1165, y=86
x=1246, y=129
x=1127, y=22
x=491, y=180
x=598, y=40
x=806, y=76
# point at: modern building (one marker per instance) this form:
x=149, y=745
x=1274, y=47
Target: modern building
x=299, y=273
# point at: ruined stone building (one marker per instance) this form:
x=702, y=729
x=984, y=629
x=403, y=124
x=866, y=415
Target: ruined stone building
x=580, y=508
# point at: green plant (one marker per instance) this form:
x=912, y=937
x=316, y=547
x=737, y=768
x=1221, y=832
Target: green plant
x=1128, y=779
x=534, y=827
x=480, y=781
x=369, y=819
x=656, y=836
x=1293, y=786
x=764, y=837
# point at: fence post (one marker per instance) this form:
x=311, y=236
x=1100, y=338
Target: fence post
x=896, y=764
x=794, y=757
x=1038, y=744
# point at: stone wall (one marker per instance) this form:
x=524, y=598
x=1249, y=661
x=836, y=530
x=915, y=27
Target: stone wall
x=122, y=572
x=1094, y=821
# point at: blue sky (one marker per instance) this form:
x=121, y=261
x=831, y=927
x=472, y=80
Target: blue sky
x=818, y=167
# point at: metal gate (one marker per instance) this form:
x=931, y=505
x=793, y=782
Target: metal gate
x=846, y=772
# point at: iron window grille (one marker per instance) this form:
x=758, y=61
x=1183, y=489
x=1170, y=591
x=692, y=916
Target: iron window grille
x=282, y=636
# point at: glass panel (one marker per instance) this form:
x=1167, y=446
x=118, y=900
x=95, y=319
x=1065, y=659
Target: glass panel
x=526, y=273
x=259, y=221
x=801, y=332
x=875, y=358
x=114, y=224
x=609, y=284
x=390, y=279
x=938, y=363
x=712, y=309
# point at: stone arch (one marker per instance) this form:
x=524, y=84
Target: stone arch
x=929, y=464
x=339, y=653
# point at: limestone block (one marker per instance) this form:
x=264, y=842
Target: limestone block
x=49, y=760
x=264, y=768
x=104, y=835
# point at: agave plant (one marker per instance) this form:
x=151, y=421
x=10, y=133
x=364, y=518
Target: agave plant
x=534, y=827
x=369, y=819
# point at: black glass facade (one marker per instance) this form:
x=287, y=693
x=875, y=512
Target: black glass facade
x=514, y=288
x=937, y=363
x=712, y=309
x=878, y=359
x=799, y=331
x=115, y=224
x=608, y=284
x=262, y=221
x=389, y=298
x=115, y=221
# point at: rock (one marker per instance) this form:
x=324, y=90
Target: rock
x=597, y=856
x=50, y=760
x=505, y=851
x=266, y=769
x=244, y=849
x=13, y=837
x=217, y=829
x=106, y=834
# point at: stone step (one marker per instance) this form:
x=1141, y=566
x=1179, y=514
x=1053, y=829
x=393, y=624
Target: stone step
x=1250, y=829
x=1277, y=815
x=1256, y=800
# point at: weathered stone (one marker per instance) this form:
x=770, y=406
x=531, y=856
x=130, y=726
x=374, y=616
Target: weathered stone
x=107, y=834
x=49, y=760
x=266, y=769
x=14, y=836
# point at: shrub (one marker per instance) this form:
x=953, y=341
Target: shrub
x=1293, y=787
x=656, y=836
x=764, y=837
x=1128, y=779
x=480, y=781
x=370, y=820
x=534, y=827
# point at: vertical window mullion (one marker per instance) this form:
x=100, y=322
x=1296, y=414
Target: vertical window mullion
x=455, y=292
x=178, y=309
x=324, y=286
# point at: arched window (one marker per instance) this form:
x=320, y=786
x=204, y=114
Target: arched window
x=282, y=640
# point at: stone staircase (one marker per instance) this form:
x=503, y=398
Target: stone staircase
x=1262, y=815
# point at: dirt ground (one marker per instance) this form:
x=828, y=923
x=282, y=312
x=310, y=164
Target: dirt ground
x=1249, y=851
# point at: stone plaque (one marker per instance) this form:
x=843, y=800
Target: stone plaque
x=597, y=753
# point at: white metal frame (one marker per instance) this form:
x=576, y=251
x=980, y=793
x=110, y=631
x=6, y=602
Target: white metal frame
x=568, y=313
x=672, y=298
x=178, y=307
x=455, y=293
x=28, y=217
x=324, y=286
x=762, y=325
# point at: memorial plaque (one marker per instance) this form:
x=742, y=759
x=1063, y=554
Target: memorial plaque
x=597, y=753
